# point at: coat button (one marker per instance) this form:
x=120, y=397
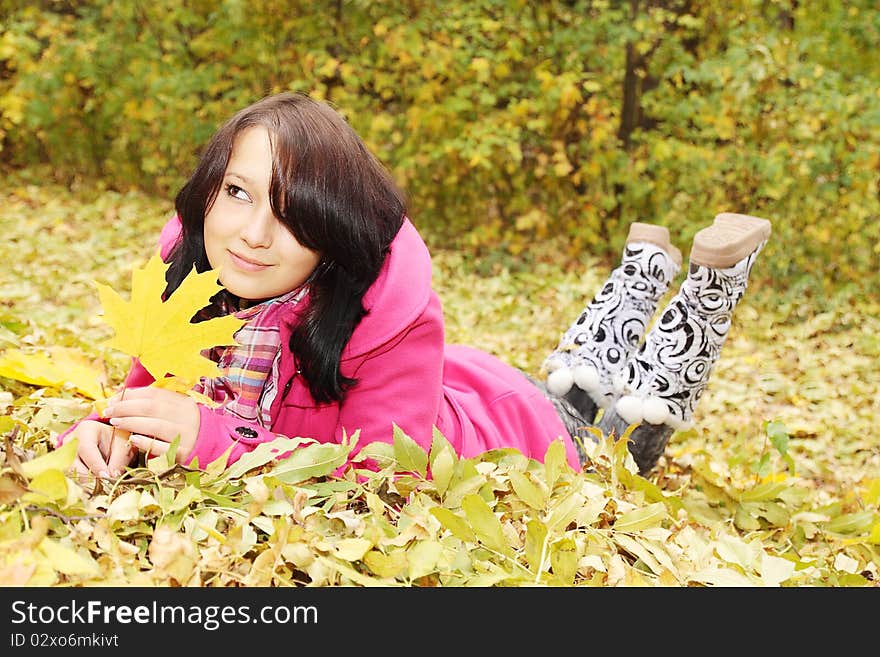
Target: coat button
x=246, y=432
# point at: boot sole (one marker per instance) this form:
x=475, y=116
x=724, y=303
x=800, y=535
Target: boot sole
x=656, y=235
x=728, y=240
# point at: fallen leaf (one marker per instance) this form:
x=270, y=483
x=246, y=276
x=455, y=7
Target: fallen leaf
x=68, y=560
x=55, y=367
x=59, y=459
x=10, y=488
x=16, y=574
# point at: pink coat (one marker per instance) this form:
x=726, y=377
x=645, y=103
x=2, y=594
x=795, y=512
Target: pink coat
x=405, y=373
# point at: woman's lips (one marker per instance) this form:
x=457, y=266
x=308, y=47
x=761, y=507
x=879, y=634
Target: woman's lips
x=246, y=264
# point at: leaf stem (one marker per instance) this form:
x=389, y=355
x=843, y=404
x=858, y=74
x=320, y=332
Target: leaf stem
x=113, y=432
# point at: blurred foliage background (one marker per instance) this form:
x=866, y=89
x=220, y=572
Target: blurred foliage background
x=509, y=123
x=528, y=135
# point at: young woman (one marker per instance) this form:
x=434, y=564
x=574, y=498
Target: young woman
x=314, y=249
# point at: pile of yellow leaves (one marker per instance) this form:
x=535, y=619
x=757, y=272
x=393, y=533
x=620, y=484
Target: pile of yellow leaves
x=776, y=486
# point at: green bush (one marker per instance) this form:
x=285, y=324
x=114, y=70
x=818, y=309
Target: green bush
x=506, y=121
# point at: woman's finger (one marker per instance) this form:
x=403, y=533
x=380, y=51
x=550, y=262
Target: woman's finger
x=121, y=453
x=147, y=426
x=149, y=445
x=131, y=393
x=91, y=456
x=144, y=406
x=105, y=441
x=145, y=393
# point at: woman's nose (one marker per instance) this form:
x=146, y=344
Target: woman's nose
x=258, y=229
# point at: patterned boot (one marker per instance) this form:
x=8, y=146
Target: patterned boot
x=663, y=382
x=608, y=331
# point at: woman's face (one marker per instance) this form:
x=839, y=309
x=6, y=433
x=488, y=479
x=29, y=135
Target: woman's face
x=257, y=256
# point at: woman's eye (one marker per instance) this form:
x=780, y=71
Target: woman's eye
x=237, y=192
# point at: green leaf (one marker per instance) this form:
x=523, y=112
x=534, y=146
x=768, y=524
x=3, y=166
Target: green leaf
x=776, y=514
x=166, y=461
x=743, y=519
x=527, y=491
x=458, y=526
x=347, y=571
x=638, y=519
x=634, y=547
x=769, y=490
x=443, y=461
x=555, y=462
x=485, y=524
x=422, y=558
x=386, y=565
x=6, y=424
x=563, y=560
x=409, y=455
x=58, y=459
x=778, y=434
x=859, y=522
x=536, y=539
x=216, y=469
x=564, y=510
x=379, y=451
x=264, y=453
x=762, y=466
x=68, y=560
x=314, y=460
x=465, y=481
x=185, y=497
x=48, y=486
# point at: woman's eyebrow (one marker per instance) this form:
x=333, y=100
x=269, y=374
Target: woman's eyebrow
x=244, y=179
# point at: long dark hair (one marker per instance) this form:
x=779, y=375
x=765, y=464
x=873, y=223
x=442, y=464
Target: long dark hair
x=332, y=194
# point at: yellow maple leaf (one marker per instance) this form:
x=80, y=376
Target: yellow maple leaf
x=177, y=384
x=159, y=333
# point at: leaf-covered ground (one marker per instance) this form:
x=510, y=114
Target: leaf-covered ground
x=777, y=484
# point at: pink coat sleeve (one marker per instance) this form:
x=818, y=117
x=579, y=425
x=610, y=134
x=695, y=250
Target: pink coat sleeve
x=218, y=431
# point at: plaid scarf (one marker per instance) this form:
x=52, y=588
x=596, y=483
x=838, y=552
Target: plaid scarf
x=248, y=380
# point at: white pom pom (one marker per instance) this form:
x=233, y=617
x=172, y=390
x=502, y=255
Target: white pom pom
x=655, y=410
x=586, y=377
x=629, y=407
x=560, y=381
x=618, y=381
x=553, y=363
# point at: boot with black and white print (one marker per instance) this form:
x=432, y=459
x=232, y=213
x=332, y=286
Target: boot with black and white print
x=662, y=383
x=596, y=346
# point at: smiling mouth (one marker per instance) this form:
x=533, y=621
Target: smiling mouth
x=245, y=263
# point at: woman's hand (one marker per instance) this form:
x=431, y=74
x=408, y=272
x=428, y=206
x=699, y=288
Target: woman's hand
x=101, y=451
x=155, y=417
